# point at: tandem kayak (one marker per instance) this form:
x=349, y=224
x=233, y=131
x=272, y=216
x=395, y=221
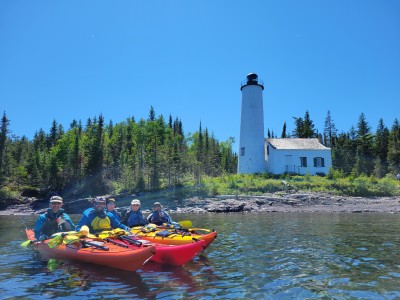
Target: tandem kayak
x=109, y=254
x=176, y=255
x=174, y=237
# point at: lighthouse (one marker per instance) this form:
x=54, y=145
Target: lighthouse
x=251, y=143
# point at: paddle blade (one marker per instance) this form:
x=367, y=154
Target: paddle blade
x=105, y=234
x=70, y=239
x=56, y=241
x=26, y=243
x=186, y=223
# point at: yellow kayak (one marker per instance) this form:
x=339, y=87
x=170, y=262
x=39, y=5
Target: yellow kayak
x=174, y=237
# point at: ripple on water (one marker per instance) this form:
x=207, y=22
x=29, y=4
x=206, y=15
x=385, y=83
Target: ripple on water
x=266, y=256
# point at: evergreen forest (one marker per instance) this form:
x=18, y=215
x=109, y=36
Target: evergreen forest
x=155, y=154
x=96, y=158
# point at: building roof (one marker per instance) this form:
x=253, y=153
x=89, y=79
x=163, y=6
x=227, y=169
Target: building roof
x=297, y=144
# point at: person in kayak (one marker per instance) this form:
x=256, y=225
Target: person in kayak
x=134, y=216
x=53, y=220
x=98, y=219
x=110, y=206
x=158, y=216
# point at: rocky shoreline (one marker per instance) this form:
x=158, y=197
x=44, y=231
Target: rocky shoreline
x=297, y=203
x=268, y=203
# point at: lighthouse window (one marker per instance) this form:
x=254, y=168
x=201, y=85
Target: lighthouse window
x=242, y=151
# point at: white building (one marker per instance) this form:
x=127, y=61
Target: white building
x=276, y=156
x=297, y=156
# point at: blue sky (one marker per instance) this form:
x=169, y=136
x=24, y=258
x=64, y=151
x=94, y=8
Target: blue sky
x=68, y=60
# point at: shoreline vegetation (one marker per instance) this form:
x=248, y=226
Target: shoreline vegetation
x=249, y=193
x=154, y=158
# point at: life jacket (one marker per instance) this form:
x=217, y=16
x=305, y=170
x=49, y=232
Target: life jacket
x=101, y=222
x=55, y=223
x=158, y=217
x=135, y=218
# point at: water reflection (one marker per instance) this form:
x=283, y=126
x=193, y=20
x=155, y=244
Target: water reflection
x=263, y=256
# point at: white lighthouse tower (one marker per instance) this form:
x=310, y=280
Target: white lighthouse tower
x=251, y=144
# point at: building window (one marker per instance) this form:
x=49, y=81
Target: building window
x=303, y=161
x=242, y=151
x=319, y=162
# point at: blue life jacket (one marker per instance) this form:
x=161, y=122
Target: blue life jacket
x=136, y=218
x=159, y=217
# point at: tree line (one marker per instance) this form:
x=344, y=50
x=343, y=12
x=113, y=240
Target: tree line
x=97, y=158
x=360, y=151
x=153, y=154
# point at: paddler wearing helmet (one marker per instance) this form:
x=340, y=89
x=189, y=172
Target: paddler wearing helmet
x=53, y=220
x=98, y=219
x=158, y=216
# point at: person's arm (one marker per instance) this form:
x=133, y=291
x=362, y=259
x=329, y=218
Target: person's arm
x=125, y=218
x=115, y=223
x=85, y=220
x=144, y=221
x=39, y=226
x=167, y=216
x=69, y=221
x=149, y=217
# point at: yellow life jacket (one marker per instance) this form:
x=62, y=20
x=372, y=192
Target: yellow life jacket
x=101, y=224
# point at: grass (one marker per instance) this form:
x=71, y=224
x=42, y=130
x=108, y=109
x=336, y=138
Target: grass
x=363, y=186
x=247, y=184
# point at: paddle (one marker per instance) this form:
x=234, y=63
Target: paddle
x=130, y=240
x=95, y=245
x=55, y=241
x=28, y=242
x=186, y=223
x=112, y=233
x=59, y=237
x=177, y=225
x=116, y=243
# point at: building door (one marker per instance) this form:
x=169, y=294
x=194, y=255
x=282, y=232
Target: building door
x=289, y=167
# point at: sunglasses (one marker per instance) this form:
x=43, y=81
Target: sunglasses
x=99, y=203
x=135, y=204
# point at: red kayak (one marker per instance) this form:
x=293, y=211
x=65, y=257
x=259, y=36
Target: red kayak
x=176, y=255
x=101, y=253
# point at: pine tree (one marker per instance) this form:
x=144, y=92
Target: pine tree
x=343, y=152
x=308, y=130
x=298, y=129
x=53, y=136
x=3, y=140
x=95, y=158
x=330, y=130
x=152, y=114
x=365, y=151
x=283, y=134
x=381, y=149
x=304, y=128
x=394, y=148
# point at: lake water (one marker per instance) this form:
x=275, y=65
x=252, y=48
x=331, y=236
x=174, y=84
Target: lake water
x=255, y=256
